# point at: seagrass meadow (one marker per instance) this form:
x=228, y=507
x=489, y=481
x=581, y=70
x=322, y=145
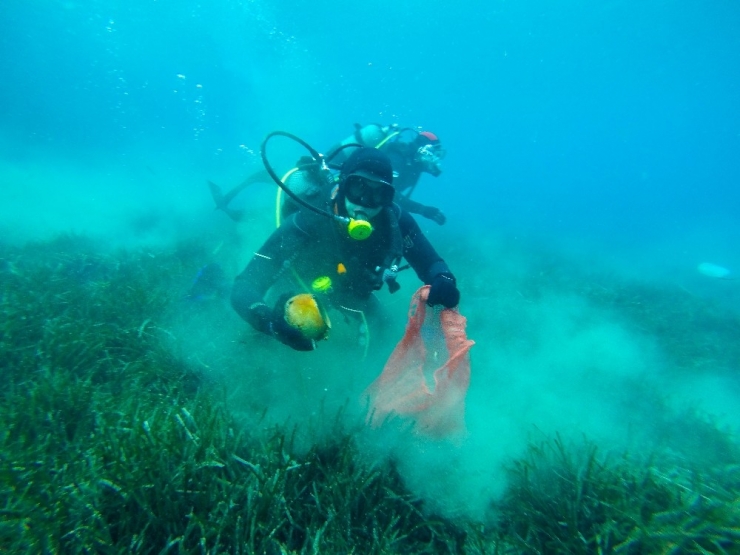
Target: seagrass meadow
x=114, y=441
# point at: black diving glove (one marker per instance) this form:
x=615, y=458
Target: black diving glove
x=433, y=214
x=290, y=336
x=284, y=332
x=444, y=291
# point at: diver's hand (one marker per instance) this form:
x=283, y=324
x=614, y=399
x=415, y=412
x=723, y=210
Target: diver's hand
x=290, y=336
x=444, y=291
x=434, y=214
x=284, y=332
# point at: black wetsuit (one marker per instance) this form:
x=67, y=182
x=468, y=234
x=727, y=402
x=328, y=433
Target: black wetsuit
x=308, y=246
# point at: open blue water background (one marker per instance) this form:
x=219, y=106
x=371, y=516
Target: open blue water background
x=615, y=120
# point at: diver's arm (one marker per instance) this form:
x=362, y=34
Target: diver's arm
x=415, y=207
x=250, y=287
x=419, y=252
x=428, y=265
x=408, y=204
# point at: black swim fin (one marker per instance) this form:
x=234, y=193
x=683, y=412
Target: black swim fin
x=222, y=204
x=222, y=201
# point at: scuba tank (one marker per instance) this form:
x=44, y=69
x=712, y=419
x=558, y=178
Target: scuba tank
x=373, y=135
x=369, y=135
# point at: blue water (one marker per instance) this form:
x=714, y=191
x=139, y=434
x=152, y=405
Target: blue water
x=617, y=120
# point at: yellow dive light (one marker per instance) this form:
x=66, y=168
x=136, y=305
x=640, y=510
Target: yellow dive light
x=304, y=313
x=359, y=230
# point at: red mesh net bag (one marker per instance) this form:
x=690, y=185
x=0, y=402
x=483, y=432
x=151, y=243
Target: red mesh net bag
x=427, y=376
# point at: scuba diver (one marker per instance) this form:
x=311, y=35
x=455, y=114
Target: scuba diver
x=422, y=153
x=410, y=158
x=346, y=241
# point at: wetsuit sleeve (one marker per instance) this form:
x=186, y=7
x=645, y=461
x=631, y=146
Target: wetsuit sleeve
x=267, y=265
x=419, y=252
x=408, y=204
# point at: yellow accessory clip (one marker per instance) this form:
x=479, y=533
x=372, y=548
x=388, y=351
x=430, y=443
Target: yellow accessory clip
x=321, y=284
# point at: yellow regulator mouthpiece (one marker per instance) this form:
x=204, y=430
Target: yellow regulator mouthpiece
x=321, y=284
x=359, y=230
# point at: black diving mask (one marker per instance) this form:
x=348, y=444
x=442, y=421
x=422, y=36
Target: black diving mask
x=368, y=193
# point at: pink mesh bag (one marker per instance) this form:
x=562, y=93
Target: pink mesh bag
x=427, y=376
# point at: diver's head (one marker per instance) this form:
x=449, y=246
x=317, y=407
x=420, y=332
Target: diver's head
x=366, y=183
x=429, y=152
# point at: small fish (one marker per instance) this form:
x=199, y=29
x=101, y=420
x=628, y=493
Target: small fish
x=715, y=271
x=304, y=313
x=209, y=283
